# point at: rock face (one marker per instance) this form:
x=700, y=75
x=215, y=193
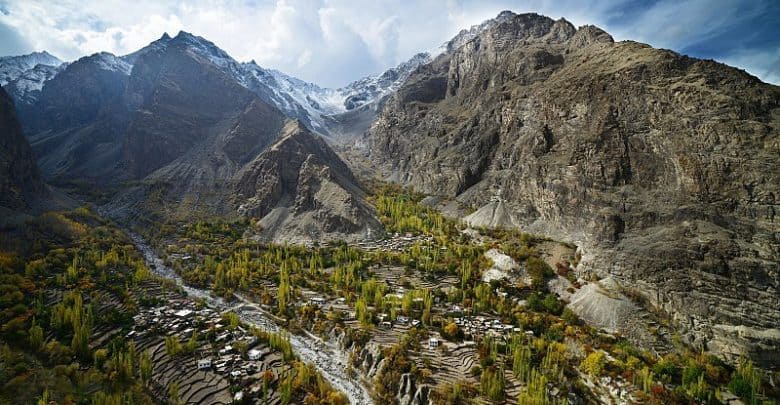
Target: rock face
x=19, y=178
x=410, y=394
x=665, y=169
x=76, y=125
x=302, y=191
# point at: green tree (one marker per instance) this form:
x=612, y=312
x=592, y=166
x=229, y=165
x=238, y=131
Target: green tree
x=35, y=337
x=285, y=290
x=172, y=345
x=173, y=394
x=145, y=367
x=521, y=362
x=492, y=383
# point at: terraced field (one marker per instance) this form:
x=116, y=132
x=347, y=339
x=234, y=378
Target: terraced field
x=195, y=386
x=396, y=276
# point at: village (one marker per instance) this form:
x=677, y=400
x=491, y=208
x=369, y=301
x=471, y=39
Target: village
x=222, y=347
x=393, y=243
x=473, y=327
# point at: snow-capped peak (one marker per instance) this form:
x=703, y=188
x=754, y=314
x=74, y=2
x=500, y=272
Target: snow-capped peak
x=370, y=88
x=297, y=98
x=26, y=88
x=110, y=62
x=153, y=46
x=12, y=67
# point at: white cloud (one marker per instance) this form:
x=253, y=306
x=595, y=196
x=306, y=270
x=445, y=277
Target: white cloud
x=332, y=42
x=762, y=64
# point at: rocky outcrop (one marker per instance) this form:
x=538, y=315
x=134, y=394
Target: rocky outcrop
x=494, y=214
x=20, y=181
x=409, y=393
x=370, y=361
x=302, y=191
x=663, y=168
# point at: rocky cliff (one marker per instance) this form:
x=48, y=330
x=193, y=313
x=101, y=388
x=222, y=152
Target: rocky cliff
x=19, y=178
x=665, y=169
x=301, y=191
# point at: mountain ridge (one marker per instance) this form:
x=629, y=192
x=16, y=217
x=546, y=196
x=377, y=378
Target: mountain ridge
x=298, y=99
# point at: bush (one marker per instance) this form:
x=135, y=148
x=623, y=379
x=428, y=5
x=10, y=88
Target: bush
x=476, y=371
x=691, y=374
x=451, y=331
x=552, y=305
x=539, y=270
x=746, y=382
x=594, y=364
x=667, y=368
x=570, y=317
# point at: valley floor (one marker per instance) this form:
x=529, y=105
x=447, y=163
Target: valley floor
x=407, y=317
x=430, y=312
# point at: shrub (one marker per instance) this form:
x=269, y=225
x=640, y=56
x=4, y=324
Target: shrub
x=476, y=371
x=570, y=317
x=746, y=382
x=539, y=270
x=594, y=364
x=667, y=368
x=450, y=331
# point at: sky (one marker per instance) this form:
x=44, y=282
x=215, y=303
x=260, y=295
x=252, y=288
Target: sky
x=333, y=42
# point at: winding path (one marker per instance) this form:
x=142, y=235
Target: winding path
x=329, y=360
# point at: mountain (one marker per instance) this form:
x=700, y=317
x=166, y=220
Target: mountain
x=297, y=99
x=320, y=108
x=75, y=125
x=664, y=169
x=183, y=101
x=23, y=76
x=26, y=88
x=173, y=132
x=302, y=191
x=11, y=67
x=19, y=178
x=324, y=110
x=105, y=118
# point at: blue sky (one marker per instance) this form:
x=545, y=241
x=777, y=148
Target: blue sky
x=332, y=42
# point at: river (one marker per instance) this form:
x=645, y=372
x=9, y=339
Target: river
x=329, y=360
